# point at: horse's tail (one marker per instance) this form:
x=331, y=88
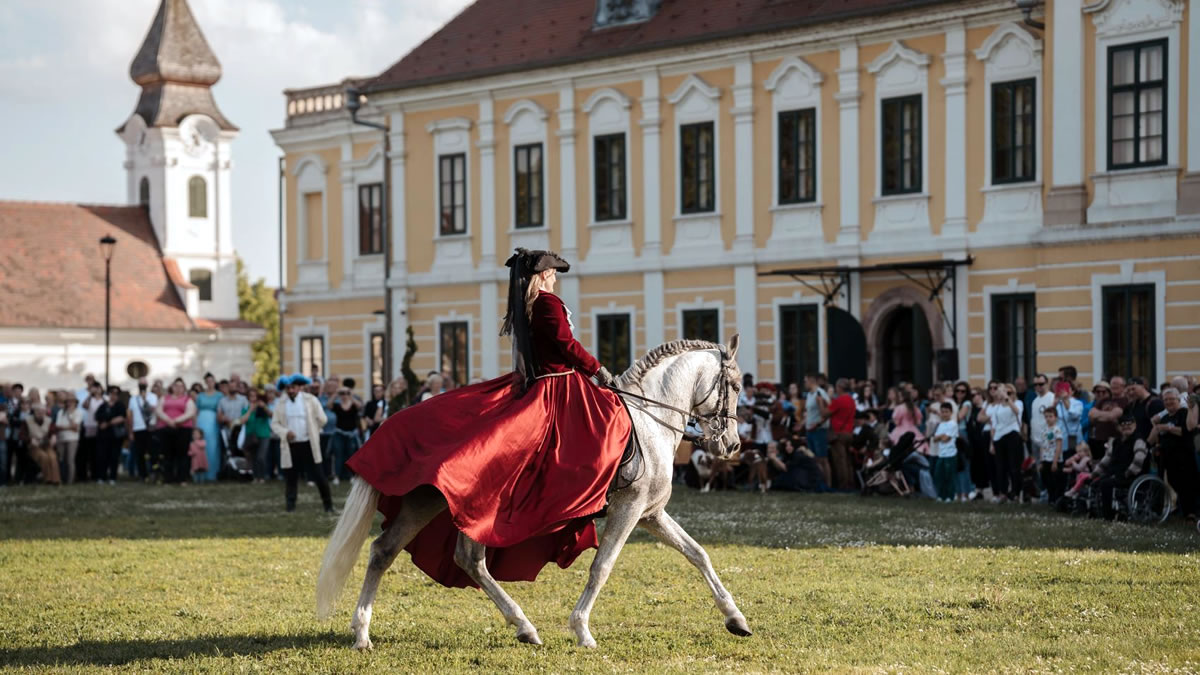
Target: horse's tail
x=344, y=544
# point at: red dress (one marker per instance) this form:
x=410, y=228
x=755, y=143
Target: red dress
x=523, y=474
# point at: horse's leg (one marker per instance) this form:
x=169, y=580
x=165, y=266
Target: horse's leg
x=670, y=533
x=621, y=522
x=470, y=555
x=419, y=507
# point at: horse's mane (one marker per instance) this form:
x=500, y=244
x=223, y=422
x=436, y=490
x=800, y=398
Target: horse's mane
x=634, y=374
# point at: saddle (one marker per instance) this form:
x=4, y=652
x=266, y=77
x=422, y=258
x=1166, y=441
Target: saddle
x=631, y=466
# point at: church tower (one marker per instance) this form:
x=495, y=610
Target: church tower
x=177, y=159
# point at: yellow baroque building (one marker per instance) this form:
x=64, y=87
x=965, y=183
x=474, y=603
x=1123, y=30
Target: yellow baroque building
x=904, y=190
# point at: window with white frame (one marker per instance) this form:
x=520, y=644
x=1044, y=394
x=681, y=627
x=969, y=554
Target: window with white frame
x=614, y=341
x=1014, y=148
x=376, y=351
x=1130, y=333
x=901, y=147
x=197, y=197
x=797, y=156
x=452, y=193
x=696, y=171
x=528, y=185
x=1137, y=104
x=202, y=280
x=312, y=354
x=1014, y=348
x=799, y=342
x=608, y=153
x=454, y=348
x=370, y=219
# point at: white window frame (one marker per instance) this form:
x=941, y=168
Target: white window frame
x=794, y=85
x=1127, y=277
x=451, y=136
x=798, y=298
x=1009, y=54
x=368, y=329
x=310, y=174
x=312, y=329
x=614, y=308
x=1011, y=288
x=608, y=113
x=899, y=72
x=526, y=122
x=454, y=317
x=696, y=101
x=700, y=303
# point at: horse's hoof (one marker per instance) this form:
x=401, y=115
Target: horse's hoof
x=529, y=637
x=364, y=645
x=588, y=642
x=738, y=626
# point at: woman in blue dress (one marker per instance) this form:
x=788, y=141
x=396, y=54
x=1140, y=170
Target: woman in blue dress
x=206, y=421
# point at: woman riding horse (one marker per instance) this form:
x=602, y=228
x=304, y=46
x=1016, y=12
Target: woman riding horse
x=524, y=460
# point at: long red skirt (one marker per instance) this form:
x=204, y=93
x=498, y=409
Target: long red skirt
x=523, y=475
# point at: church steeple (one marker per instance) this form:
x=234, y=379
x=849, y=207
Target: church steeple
x=176, y=70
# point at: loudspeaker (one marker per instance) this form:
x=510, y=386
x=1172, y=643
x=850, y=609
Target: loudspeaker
x=947, y=364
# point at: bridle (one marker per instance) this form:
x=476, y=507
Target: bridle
x=713, y=424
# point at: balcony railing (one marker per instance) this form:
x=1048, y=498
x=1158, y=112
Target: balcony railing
x=317, y=104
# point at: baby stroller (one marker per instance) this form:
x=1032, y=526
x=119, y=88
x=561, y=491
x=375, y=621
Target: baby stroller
x=236, y=466
x=887, y=477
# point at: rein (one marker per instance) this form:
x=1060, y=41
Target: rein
x=722, y=414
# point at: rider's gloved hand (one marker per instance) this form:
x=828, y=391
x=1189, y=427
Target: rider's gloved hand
x=603, y=377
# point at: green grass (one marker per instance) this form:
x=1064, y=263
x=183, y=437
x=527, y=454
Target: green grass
x=219, y=579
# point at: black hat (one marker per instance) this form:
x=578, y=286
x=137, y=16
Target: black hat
x=1127, y=418
x=533, y=262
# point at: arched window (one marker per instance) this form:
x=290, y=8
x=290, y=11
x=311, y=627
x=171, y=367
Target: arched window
x=197, y=197
x=144, y=192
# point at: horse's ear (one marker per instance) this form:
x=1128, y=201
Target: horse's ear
x=733, y=345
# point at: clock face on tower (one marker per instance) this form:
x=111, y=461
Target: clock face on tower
x=197, y=134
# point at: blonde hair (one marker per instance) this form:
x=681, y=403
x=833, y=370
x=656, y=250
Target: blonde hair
x=536, y=283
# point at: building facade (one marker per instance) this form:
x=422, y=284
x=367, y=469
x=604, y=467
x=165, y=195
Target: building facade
x=173, y=269
x=904, y=190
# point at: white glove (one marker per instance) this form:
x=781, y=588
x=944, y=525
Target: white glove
x=603, y=377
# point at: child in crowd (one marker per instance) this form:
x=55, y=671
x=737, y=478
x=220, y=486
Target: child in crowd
x=944, y=437
x=1051, y=459
x=199, y=457
x=1080, y=466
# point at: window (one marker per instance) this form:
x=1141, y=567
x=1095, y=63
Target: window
x=370, y=219
x=453, y=346
x=1129, y=331
x=312, y=354
x=609, y=155
x=452, y=182
x=377, y=359
x=798, y=338
x=1013, y=142
x=1014, y=352
x=197, y=197
x=202, y=280
x=1137, y=105
x=613, y=347
x=901, y=145
x=702, y=324
x=797, y=156
x=527, y=194
x=144, y=192
x=696, y=159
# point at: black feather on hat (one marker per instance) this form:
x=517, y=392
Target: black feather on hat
x=523, y=264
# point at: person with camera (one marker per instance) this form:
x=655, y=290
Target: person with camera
x=256, y=420
x=816, y=425
x=110, y=435
x=141, y=414
x=1176, y=454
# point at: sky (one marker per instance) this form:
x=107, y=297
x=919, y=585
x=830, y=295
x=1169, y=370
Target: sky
x=65, y=88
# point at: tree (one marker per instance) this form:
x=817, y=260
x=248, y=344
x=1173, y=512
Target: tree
x=257, y=304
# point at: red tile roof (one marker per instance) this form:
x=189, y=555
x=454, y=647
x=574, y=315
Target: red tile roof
x=498, y=36
x=52, y=271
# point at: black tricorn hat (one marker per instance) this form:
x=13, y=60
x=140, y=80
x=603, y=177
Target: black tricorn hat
x=533, y=262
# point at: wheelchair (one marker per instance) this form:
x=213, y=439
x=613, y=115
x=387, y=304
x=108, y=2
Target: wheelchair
x=1146, y=501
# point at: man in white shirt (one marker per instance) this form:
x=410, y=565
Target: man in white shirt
x=298, y=419
x=1043, y=398
x=86, y=460
x=141, y=413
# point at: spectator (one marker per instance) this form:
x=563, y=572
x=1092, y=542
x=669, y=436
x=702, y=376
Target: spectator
x=176, y=417
x=1070, y=415
x=867, y=399
x=1177, y=455
x=256, y=420
x=433, y=387
x=1144, y=406
x=375, y=411
x=141, y=414
x=945, y=436
x=68, y=423
x=1118, y=391
x=229, y=416
x=398, y=396
x=1077, y=470
x=1003, y=413
x=87, y=466
x=1103, y=416
x=1123, y=461
x=110, y=435
x=298, y=420
x=344, y=441
x=207, y=403
x=82, y=394
x=1051, y=455
x=841, y=432
x=906, y=417
x=964, y=487
x=1044, y=398
x=198, y=453
x=273, y=470
x=37, y=425
x=816, y=426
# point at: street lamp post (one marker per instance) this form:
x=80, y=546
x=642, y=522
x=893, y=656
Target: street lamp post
x=353, y=104
x=107, y=243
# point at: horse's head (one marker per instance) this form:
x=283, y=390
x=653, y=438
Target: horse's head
x=716, y=405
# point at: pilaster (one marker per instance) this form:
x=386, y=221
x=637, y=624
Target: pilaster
x=1189, y=188
x=487, y=184
x=566, y=149
x=1066, y=203
x=848, y=96
x=651, y=123
x=489, y=327
x=743, y=142
x=954, y=85
x=745, y=298
x=349, y=219
x=655, y=306
x=397, y=211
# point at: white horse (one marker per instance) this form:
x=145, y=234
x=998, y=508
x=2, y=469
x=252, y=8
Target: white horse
x=686, y=375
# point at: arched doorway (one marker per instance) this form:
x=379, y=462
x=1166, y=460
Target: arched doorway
x=906, y=348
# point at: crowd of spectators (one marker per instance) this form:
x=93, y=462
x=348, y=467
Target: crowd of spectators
x=175, y=433
x=1032, y=442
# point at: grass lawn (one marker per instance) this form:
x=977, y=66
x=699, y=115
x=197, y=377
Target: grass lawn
x=219, y=579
